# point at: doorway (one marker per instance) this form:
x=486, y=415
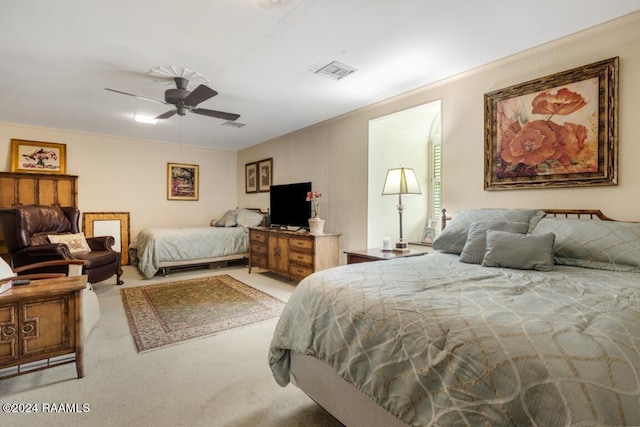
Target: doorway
x=408, y=138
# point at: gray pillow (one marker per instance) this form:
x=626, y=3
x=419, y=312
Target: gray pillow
x=227, y=220
x=454, y=236
x=603, y=245
x=521, y=251
x=476, y=244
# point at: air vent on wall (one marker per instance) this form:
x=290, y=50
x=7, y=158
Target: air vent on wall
x=335, y=70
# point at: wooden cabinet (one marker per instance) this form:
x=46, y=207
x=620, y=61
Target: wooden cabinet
x=278, y=253
x=41, y=321
x=36, y=189
x=292, y=254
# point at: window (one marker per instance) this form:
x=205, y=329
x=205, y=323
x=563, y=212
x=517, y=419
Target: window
x=435, y=151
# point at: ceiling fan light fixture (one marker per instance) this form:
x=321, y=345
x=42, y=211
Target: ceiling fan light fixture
x=142, y=118
x=233, y=124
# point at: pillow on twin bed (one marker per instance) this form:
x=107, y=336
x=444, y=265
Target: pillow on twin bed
x=227, y=220
x=454, y=236
x=521, y=251
x=602, y=245
x=476, y=243
x=249, y=218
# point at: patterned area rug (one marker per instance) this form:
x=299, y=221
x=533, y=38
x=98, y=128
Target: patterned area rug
x=170, y=313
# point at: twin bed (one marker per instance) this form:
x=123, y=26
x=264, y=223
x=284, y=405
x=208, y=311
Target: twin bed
x=520, y=318
x=226, y=239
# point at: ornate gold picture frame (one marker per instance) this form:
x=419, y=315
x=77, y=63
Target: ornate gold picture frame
x=38, y=157
x=556, y=131
x=114, y=224
x=182, y=181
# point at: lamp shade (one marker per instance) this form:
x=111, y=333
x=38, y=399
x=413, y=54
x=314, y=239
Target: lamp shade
x=401, y=181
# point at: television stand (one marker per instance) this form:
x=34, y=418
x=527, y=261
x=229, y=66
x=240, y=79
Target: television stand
x=293, y=254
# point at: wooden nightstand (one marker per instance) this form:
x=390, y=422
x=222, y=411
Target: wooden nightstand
x=377, y=254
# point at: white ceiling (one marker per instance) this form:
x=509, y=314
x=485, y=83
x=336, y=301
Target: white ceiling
x=56, y=57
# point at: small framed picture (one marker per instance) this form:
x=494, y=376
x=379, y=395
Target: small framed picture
x=182, y=181
x=38, y=157
x=429, y=235
x=251, y=178
x=265, y=171
x=434, y=223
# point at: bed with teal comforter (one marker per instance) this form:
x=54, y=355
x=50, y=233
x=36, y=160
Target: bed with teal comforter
x=436, y=341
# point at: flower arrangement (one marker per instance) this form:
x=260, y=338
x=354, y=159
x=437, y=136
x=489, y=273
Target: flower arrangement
x=39, y=157
x=313, y=196
x=538, y=145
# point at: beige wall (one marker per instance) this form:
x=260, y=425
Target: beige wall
x=334, y=155
x=118, y=174
x=128, y=175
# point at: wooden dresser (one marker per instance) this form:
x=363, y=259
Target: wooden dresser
x=36, y=189
x=40, y=322
x=292, y=254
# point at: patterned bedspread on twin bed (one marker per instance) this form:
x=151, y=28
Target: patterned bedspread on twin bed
x=169, y=244
x=439, y=342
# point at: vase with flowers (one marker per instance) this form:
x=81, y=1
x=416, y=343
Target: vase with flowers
x=316, y=224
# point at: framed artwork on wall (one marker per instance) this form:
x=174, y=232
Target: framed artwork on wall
x=265, y=171
x=114, y=224
x=38, y=157
x=556, y=131
x=251, y=178
x=182, y=181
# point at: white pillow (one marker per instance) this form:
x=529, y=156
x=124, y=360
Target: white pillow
x=249, y=218
x=75, y=242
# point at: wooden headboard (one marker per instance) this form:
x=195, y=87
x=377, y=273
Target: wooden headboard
x=591, y=214
x=578, y=213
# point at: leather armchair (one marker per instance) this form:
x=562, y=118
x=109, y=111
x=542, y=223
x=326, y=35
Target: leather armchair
x=26, y=229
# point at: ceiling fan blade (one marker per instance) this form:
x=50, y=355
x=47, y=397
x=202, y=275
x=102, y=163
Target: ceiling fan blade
x=199, y=94
x=135, y=96
x=216, y=114
x=167, y=114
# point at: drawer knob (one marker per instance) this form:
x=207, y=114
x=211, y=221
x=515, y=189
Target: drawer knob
x=8, y=331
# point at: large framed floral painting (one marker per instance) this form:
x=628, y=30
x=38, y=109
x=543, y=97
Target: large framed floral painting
x=556, y=131
x=38, y=157
x=182, y=181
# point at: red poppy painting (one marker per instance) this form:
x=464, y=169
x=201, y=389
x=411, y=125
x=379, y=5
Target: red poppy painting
x=556, y=131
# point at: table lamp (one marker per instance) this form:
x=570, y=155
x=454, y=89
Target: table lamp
x=400, y=181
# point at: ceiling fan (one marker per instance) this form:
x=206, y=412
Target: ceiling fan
x=185, y=100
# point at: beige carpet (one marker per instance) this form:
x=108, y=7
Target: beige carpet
x=219, y=381
x=170, y=313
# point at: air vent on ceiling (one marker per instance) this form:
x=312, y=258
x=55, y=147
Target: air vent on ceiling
x=233, y=124
x=335, y=70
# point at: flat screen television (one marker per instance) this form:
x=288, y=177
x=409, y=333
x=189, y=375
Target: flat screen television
x=288, y=206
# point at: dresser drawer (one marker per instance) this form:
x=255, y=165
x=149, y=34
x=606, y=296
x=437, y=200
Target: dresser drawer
x=258, y=260
x=300, y=243
x=257, y=236
x=304, y=258
x=259, y=248
x=298, y=271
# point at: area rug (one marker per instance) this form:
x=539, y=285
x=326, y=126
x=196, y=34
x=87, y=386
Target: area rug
x=170, y=313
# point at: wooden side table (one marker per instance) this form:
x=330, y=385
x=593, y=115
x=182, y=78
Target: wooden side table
x=41, y=321
x=377, y=254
